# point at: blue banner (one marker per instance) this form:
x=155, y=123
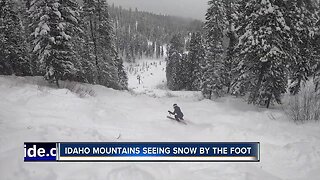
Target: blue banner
x=36, y=152
x=155, y=152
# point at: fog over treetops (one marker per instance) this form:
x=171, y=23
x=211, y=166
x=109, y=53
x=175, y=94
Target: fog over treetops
x=186, y=8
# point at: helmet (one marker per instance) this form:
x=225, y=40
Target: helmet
x=174, y=105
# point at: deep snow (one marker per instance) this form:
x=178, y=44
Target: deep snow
x=31, y=110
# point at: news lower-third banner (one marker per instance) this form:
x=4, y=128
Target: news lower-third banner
x=142, y=152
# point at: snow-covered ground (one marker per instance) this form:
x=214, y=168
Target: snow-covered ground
x=153, y=80
x=152, y=75
x=30, y=110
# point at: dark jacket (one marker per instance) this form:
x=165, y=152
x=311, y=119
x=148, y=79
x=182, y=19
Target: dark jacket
x=177, y=111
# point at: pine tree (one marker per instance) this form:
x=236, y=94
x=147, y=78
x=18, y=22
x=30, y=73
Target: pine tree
x=100, y=36
x=302, y=25
x=211, y=86
x=230, y=61
x=81, y=45
x=264, y=50
x=13, y=54
x=316, y=50
x=123, y=77
x=214, y=26
x=184, y=72
x=173, y=69
x=193, y=63
x=54, y=23
x=26, y=21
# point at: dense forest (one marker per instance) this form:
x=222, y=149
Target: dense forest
x=254, y=49
x=273, y=48
x=60, y=40
x=143, y=34
x=84, y=41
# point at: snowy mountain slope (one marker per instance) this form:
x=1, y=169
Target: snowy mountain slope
x=152, y=74
x=30, y=110
x=153, y=80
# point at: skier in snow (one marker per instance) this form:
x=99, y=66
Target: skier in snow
x=178, y=115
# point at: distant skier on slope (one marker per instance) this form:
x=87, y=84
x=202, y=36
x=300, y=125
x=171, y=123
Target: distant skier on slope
x=178, y=115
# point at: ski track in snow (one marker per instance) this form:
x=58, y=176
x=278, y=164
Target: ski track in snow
x=31, y=110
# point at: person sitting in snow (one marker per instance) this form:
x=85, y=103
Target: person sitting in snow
x=178, y=115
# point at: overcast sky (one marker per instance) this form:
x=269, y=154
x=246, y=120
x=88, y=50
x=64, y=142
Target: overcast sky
x=186, y=8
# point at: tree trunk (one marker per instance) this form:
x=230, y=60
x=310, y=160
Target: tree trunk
x=56, y=79
x=255, y=93
x=95, y=49
x=269, y=100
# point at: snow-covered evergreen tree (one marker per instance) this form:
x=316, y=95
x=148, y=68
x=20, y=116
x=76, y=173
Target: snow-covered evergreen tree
x=211, y=86
x=123, y=77
x=230, y=61
x=264, y=50
x=81, y=46
x=173, y=69
x=302, y=24
x=53, y=24
x=316, y=47
x=13, y=49
x=194, y=61
x=102, y=51
x=214, y=26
